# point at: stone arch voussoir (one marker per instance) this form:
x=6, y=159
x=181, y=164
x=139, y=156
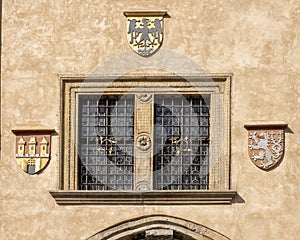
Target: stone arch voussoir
x=125, y=230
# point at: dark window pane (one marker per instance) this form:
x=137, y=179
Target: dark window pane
x=181, y=154
x=105, y=142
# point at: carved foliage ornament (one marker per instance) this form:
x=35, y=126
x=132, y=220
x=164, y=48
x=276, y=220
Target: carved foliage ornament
x=266, y=144
x=145, y=31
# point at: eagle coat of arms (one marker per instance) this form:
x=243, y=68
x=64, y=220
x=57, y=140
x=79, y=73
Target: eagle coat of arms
x=145, y=31
x=266, y=145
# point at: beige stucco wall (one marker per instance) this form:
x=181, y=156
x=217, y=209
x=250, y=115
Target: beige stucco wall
x=258, y=41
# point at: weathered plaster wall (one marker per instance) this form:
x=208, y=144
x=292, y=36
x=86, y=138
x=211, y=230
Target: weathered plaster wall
x=258, y=41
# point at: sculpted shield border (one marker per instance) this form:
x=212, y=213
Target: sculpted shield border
x=266, y=144
x=145, y=31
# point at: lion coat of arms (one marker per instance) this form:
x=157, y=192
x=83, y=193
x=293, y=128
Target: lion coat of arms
x=266, y=147
x=145, y=31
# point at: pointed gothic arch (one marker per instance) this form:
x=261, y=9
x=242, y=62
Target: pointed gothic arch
x=155, y=227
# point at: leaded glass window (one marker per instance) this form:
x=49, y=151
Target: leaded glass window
x=180, y=150
x=105, y=142
x=162, y=138
x=181, y=160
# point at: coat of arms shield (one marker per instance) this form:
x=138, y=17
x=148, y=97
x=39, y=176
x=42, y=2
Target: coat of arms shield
x=266, y=144
x=145, y=31
x=33, y=149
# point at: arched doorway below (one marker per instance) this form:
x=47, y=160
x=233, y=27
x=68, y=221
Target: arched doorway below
x=158, y=227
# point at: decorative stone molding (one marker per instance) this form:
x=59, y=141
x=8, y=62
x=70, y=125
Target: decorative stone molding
x=143, y=198
x=143, y=142
x=144, y=97
x=160, y=227
x=265, y=125
x=142, y=186
x=161, y=13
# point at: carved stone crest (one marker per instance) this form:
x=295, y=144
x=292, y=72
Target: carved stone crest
x=145, y=31
x=266, y=144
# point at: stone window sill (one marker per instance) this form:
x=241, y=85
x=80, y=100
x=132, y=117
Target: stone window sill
x=143, y=198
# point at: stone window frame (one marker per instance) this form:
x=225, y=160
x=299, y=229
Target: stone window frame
x=218, y=85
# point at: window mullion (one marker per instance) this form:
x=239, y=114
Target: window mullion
x=107, y=113
x=143, y=143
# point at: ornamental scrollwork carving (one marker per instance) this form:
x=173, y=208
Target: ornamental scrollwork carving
x=144, y=97
x=142, y=186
